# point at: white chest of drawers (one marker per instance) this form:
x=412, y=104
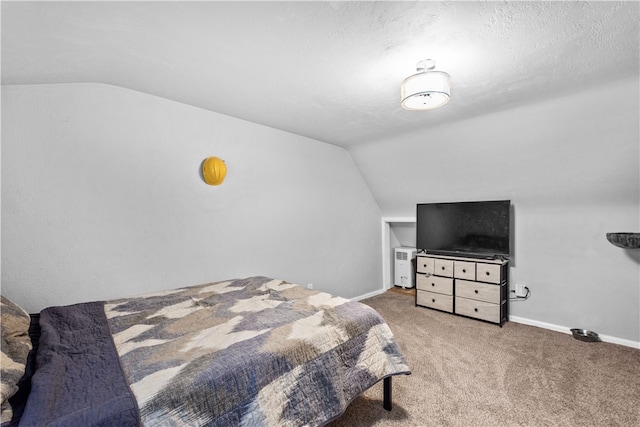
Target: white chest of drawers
x=476, y=288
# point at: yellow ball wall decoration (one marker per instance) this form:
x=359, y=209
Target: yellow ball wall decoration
x=213, y=170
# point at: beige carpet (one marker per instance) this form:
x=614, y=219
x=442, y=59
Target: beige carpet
x=470, y=373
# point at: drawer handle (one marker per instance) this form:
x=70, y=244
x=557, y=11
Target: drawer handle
x=476, y=291
x=464, y=270
x=433, y=300
x=443, y=268
x=488, y=273
x=433, y=284
x=475, y=309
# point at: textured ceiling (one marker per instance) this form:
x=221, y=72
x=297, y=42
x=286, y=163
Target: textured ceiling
x=326, y=70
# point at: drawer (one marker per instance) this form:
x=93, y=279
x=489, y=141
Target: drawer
x=464, y=270
x=478, y=291
x=443, y=267
x=433, y=300
x=440, y=285
x=424, y=265
x=478, y=309
x=488, y=273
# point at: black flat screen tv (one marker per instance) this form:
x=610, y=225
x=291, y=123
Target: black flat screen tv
x=470, y=229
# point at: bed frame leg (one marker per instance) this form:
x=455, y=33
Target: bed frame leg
x=386, y=399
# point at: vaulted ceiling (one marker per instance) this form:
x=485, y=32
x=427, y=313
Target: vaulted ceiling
x=326, y=70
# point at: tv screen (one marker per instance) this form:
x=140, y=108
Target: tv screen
x=474, y=229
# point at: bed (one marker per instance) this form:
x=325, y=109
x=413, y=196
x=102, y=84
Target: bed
x=253, y=351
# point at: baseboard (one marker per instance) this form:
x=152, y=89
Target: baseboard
x=565, y=330
x=369, y=295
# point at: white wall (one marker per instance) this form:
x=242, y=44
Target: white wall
x=571, y=167
x=102, y=198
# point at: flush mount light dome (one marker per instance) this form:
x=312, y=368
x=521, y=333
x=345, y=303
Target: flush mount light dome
x=427, y=89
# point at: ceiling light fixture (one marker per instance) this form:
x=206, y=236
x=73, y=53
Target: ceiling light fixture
x=426, y=90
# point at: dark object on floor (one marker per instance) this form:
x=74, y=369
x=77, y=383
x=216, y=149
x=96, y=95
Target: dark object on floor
x=584, y=335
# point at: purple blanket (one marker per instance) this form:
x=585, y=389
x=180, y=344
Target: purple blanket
x=78, y=381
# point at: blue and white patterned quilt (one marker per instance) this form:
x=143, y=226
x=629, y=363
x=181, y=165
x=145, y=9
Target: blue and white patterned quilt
x=253, y=351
